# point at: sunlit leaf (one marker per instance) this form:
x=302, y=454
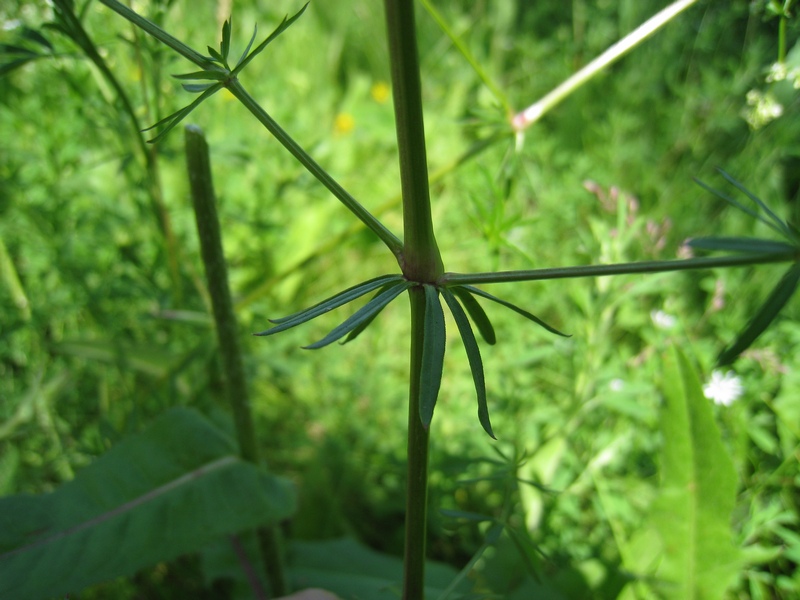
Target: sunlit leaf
x=433, y=346
x=249, y=45
x=368, y=311
x=473, y=356
x=477, y=314
x=765, y=315
x=697, y=494
x=331, y=303
x=516, y=309
x=740, y=244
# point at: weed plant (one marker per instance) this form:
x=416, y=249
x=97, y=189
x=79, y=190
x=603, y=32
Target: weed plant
x=140, y=422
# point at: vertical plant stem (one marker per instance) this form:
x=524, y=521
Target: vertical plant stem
x=421, y=259
x=208, y=229
x=417, y=486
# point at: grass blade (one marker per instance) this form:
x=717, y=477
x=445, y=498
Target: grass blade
x=765, y=315
x=473, y=356
x=432, y=355
x=477, y=314
x=366, y=312
x=516, y=309
x=328, y=305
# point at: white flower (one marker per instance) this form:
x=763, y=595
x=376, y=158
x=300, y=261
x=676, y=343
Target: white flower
x=616, y=385
x=724, y=388
x=662, y=320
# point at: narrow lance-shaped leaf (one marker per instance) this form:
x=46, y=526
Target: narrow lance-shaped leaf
x=364, y=324
x=181, y=114
x=285, y=24
x=740, y=244
x=249, y=45
x=368, y=311
x=225, y=44
x=477, y=314
x=325, y=306
x=765, y=315
x=432, y=354
x=473, y=356
x=775, y=218
x=516, y=309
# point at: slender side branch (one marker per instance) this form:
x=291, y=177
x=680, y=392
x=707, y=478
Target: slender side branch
x=386, y=236
x=208, y=229
x=652, y=266
x=535, y=112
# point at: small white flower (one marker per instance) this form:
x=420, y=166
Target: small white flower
x=662, y=320
x=616, y=385
x=724, y=388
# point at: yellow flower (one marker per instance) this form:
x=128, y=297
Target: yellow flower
x=380, y=91
x=344, y=123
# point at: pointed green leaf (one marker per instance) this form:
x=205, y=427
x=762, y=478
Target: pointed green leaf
x=740, y=244
x=179, y=115
x=734, y=203
x=214, y=75
x=225, y=44
x=363, y=326
x=285, y=24
x=765, y=315
x=432, y=354
x=249, y=45
x=215, y=55
x=368, y=311
x=328, y=305
x=181, y=475
x=477, y=314
x=775, y=218
x=196, y=88
x=697, y=495
x=473, y=356
x=516, y=309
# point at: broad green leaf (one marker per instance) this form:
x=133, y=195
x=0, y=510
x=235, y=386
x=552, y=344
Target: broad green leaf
x=366, y=312
x=169, y=490
x=351, y=570
x=477, y=314
x=328, y=305
x=697, y=494
x=225, y=44
x=765, y=315
x=432, y=354
x=740, y=244
x=473, y=356
x=285, y=24
x=516, y=309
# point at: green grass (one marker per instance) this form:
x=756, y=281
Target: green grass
x=95, y=359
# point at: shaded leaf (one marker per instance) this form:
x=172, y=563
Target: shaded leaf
x=36, y=36
x=740, y=244
x=181, y=476
x=285, y=24
x=775, y=218
x=433, y=346
x=516, y=309
x=331, y=303
x=197, y=87
x=697, y=494
x=765, y=315
x=207, y=74
x=473, y=356
x=477, y=314
x=249, y=45
x=225, y=44
x=366, y=312
x=363, y=326
x=215, y=55
x=179, y=115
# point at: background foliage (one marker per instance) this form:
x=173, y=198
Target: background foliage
x=104, y=319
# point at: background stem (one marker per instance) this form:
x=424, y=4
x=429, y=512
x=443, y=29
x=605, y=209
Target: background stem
x=208, y=229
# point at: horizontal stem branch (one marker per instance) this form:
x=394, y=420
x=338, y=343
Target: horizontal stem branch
x=652, y=266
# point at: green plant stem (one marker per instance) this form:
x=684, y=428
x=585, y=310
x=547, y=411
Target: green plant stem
x=533, y=113
x=208, y=228
x=388, y=238
x=422, y=261
x=417, y=486
x=653, y=266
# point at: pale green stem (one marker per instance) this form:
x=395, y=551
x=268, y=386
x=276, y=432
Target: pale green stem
x=533, y=113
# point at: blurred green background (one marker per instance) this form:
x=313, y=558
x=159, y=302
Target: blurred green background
x=104, y=322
